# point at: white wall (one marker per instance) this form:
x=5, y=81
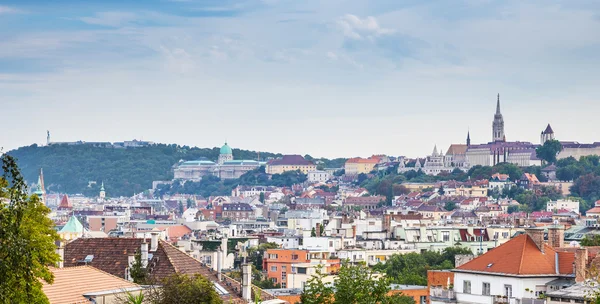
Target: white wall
x=496, y=286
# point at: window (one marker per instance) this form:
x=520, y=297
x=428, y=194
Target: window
x=302, y=270
x=423, y=300
x=283, y=285
x=466, y=286
x=508, y=291
x=486, y=289
x=283, y=268
x=446, y=236
x=274, y=280
x=273, y=268
x=272, y=256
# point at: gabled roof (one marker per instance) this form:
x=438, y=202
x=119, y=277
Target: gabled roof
x=70, y=284
x=521, y=256
x=548, y=130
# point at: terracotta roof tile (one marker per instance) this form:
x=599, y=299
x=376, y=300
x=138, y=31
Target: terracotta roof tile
x=70, y=284
x=521, y=256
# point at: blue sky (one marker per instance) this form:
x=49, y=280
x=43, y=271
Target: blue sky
x=326, y=78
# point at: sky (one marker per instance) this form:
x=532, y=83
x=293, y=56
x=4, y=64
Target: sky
x=335, y=78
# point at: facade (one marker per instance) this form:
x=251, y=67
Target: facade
x=357, y=165
x=318, y=176
x=238, y=212
x=563, y=205
x=290, y=163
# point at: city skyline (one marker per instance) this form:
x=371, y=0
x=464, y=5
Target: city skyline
x=335, y=79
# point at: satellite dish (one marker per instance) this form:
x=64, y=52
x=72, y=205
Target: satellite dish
x=574, y=244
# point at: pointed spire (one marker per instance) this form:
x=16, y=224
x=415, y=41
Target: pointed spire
x=498, y=105
x=102, y=186
x=468, y=138
x=435, y=151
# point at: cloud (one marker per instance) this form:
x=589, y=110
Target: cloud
x=8, y=10
x=354, y=27
x=112, y=19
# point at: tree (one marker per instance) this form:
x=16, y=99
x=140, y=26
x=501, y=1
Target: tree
x=180, y=207
x=313, y=232
x=449, y=206
x=441, y=190
x=27, y=238
x=355, y=284
x=184, y=289
x=137, y=271
x=261, y=197
x=591, y=240
x=512, y=209
x=189, y=203
x=549, y=150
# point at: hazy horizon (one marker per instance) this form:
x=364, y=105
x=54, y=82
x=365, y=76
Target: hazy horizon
x=329, y=79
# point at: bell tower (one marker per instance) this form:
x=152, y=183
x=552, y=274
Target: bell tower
x=498, y=124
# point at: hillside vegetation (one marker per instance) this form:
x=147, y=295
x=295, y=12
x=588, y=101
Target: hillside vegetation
x=69, y=169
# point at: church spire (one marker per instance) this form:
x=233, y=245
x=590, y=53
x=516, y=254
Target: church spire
x=498, y=105
x=468, y=138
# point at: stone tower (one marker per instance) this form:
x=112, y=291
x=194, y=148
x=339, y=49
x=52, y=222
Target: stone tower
x=547, y=135
x=498, y=125
x=225, y=154
x=468, y=138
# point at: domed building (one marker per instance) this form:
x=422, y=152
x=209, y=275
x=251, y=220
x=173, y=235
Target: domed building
x=226, y=154
x=225, y=167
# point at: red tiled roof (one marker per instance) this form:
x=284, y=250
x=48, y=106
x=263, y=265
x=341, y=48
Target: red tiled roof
x=521, y=256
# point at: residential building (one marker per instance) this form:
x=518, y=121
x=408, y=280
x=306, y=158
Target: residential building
x=363, y=202
x=516, y=271
x=238, y=212
x=290, y=163
x=554, y=206
x=318, y=176
x=357, y=165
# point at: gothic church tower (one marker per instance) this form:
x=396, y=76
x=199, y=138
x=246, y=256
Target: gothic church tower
x=498, y=125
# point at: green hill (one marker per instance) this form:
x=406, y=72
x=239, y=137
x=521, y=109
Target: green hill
x=69, y=169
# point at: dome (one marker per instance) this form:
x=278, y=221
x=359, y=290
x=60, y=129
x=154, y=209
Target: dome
x=225, y=149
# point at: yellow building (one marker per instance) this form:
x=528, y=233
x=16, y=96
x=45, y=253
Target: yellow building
x=359, y=165
x=290, y=163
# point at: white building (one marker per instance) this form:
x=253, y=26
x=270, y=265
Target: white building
x=563, y=204
x=318, y=176
x=516, y=272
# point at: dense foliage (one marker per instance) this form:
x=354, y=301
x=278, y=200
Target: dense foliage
x=355, y=284
x=549, y=150
x=184, y=289
x=69, y=169
x=411, y=268
x=27, y=239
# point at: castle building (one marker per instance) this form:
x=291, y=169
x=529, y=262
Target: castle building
x=225, y=168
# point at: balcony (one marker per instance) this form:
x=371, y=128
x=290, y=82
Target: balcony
x=442, y=295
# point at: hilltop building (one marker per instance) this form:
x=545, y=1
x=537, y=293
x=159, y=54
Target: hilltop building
x=290, y=163
x=225, y=168
x=357, y=165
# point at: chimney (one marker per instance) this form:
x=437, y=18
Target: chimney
x=219, y=263
x=461, y=259
x=354, y=231
x=556, y=237
x=246, y=283
x=537, y=235
x=387, y=223
x=580, y=264
x=153, y=241
x=61, y=252
x=224, y=245
x=318, y=229
x=144, y=254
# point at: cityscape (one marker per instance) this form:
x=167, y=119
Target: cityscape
x=203, y=152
